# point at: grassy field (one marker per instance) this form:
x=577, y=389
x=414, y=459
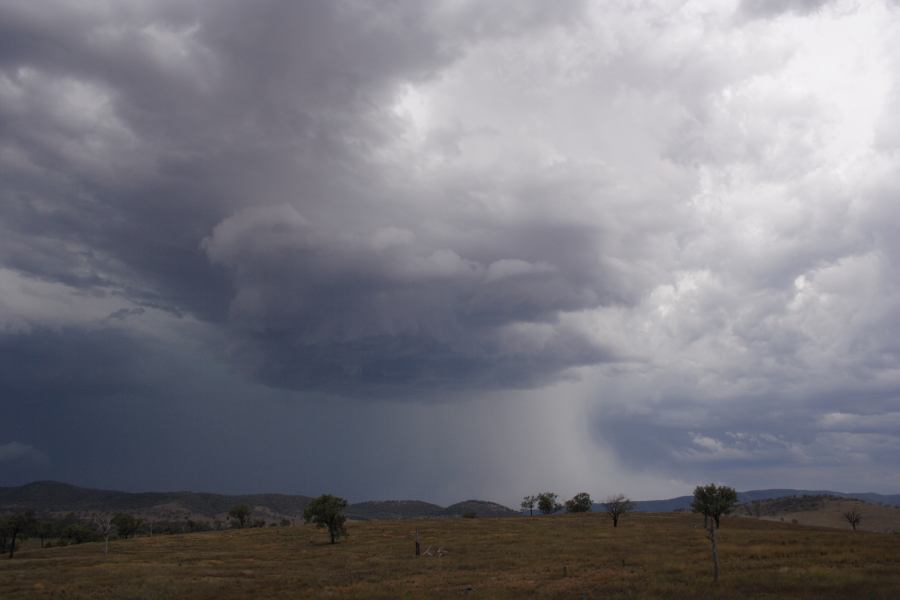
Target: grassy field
x=568, y=556
x=830, y=514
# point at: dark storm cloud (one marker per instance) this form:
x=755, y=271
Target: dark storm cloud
x=315, y=311
x=157, y=123
x=666, y=217
x=50, y=365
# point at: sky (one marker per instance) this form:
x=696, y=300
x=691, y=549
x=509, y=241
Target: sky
x=450, y=249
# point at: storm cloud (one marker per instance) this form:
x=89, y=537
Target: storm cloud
x=667, y=233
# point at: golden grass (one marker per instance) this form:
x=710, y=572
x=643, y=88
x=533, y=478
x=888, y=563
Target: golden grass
x=874, y=517
x=570, y=556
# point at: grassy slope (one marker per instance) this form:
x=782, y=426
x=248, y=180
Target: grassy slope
x=829, y=513
x=570, y=556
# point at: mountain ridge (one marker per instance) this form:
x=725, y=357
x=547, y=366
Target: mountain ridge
x=59, y=497
x=684, y=502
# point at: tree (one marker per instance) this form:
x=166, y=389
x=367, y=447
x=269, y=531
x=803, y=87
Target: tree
x=105, y=526
x=853, y=518
x=579, y=503
x=240, y=513
x=77, y=533
x=616, y=506
x=547, y=503
x=713, y=501
x=327, y=511
x=20, y=524
x=126, y=525
x=528, y=503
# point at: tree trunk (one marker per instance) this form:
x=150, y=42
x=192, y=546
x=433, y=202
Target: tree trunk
x=12, y=546
x=717, y=517
x=715, y=554
x=331, y=533
x=705, y=521
x=615, y=520
x=106, y=546
x=418, y=546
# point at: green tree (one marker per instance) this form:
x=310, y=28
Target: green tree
x=44, y=530
x=19, y=525
x=713, y=501
x=78, y=533
x=616, y=506
x=528, y=503
x=327, y=511
x=240, y=513
x=579, y=503
x=547, y=503
x=126, y=525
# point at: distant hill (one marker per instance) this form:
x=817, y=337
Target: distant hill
x=824, y=511
x=52, y=497
x=479, y=508
x=684, y=502
x=55, y=497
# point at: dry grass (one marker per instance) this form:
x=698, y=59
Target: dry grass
x=875, y=518
x=572, y=556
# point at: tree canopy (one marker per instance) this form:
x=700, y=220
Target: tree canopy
x=327, y=511
x=126, y=525
x=240, y=513
x=579, y=503
x=713, y=501
x=547, y=503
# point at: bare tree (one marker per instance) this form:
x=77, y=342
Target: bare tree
x=104, y=525
x=529, y=502
x=616, y=506
x=853, y=517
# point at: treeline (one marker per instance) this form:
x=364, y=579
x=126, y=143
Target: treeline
x=77, y=529
x=548, y=503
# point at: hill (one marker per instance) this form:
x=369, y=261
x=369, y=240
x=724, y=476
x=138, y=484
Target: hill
x=479, y=508
x=684, y=502
x=52, y=497
x=824, y=511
